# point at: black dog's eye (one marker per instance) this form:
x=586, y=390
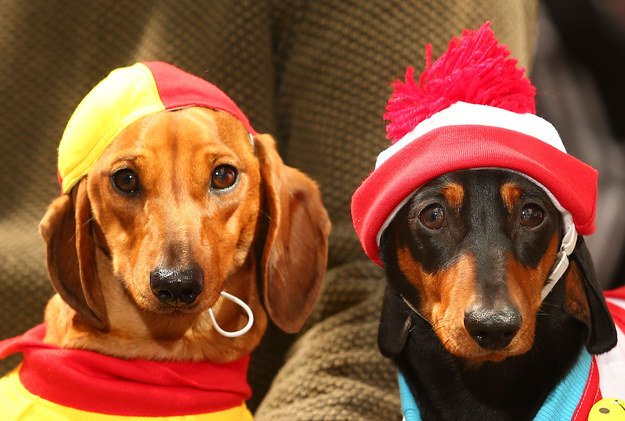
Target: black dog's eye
x=125, y=181
x=532, y=215
x=224, y=176
x=433, y=217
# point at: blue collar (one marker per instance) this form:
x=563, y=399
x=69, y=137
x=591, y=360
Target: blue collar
x=559, y=405
x=409, y=407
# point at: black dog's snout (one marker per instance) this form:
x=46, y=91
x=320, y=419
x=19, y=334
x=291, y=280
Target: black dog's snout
x=176, y=287
x=492, y=329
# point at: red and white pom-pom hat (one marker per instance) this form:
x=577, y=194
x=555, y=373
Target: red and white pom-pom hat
x=472, y=108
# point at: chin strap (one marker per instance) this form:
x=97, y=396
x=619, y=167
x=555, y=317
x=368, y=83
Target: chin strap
x=562, y=259
x=236, y=333
x=411, y=307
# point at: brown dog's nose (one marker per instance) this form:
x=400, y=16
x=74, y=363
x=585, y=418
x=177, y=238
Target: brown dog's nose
x=176, y=287
x=492, y=329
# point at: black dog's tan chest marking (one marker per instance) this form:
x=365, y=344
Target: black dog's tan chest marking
x=473, y=249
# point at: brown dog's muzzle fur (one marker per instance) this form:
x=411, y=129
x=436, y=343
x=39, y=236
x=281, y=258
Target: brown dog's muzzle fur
x=182, y=206
x=177, y=221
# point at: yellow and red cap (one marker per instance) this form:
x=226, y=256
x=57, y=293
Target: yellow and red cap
x=124, y=96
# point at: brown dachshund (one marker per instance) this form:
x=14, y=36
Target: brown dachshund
x=181, y=238
x=178, y=232
x=180, y=207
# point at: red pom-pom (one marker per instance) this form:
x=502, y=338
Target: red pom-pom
x=474, y=69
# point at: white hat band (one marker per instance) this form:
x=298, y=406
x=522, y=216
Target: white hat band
x=463, y=113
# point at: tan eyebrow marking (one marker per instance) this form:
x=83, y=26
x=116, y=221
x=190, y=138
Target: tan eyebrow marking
x=510, y=194
x=454, y=194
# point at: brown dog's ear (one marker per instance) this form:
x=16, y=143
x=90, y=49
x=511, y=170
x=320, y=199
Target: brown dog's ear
x=295, y=252
x=585, y=301
x=70, y=254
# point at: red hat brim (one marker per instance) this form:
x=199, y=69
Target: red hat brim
x=572, y=182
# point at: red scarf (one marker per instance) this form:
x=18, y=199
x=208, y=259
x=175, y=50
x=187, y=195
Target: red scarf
x=99, y=383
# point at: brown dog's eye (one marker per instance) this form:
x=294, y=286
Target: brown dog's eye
x=433, y=217
x=532, y=215
x=125, y=181
x=224, y=177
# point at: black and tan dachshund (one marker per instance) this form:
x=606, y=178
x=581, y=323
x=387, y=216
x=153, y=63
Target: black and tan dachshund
x=466, y=260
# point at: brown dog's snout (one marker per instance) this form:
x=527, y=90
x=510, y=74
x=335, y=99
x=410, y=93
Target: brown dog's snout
x=492, y=329
x=177, y=287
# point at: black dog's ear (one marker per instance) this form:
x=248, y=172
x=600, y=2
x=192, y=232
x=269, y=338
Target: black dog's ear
x=395, y=324
x=601, y=331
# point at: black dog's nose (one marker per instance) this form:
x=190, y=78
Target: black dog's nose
x=492, y=329
x=176, y=287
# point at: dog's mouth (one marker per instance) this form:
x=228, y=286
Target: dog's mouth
x=203, y=303
x=475, y=355
x=178, y=308
x=475, y=349
x=481, y=356
x=178, y=291
x=148, y=302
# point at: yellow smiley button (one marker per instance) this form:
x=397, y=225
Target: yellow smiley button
x=608, y=409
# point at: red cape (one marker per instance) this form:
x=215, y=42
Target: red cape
x=94, y=382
